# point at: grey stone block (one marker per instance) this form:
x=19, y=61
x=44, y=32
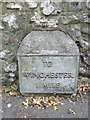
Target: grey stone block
x=48, y=63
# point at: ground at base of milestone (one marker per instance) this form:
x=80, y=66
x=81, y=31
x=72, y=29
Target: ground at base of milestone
x=14, y=105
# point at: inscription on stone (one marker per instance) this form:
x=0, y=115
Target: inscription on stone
x=48, y=63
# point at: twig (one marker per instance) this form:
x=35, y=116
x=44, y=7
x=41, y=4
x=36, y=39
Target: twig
x=81, y=96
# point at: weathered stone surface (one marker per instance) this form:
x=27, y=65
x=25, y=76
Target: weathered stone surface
x=1, y=27
x=85, y=18
x=5, y=53
x=12, y=67
x=42, y=21
x=69, y=18
x=44, y=3
x=48, y=63
x=48, y=10
x=47, y=7
x=11, y=75
x=75, y=6
x=32, y=3
x=1, y=62
x=85, y=29
x=11, y=80
x=14, y=6
x=85, y=45
x=88, y=4
x=15, y=28
x=2, y=55
x=11, y=20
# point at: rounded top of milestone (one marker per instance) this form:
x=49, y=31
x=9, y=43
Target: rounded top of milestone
x=48, y=43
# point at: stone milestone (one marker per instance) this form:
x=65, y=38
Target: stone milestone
x=48, y=63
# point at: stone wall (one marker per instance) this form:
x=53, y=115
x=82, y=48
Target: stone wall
x=19, y=19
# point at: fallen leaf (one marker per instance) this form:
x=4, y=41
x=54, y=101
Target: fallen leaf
x=43, y=102
x=26, y=102
x=14, y=87
x=37, y=101
x=55, y=108
x=83, y=86
x=7, y=89
x=61, y=103
x=70, y=100
x=71, y=111
x=52, y=102
x=13, y=93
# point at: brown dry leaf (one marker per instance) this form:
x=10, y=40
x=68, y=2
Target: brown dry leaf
x=42, y=102
x=14, y=93
x=46, y=99
x=37, y=102
x=14, y=87
x=49, y=104
x=51, y=98
x=26, y=103
x=52, y=102
x=30, y=101
x=83, y=86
